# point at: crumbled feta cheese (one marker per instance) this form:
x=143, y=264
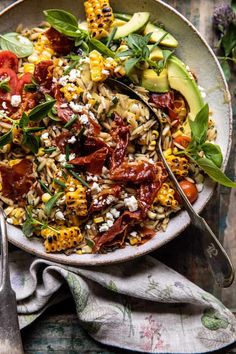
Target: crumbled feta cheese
x=105, y=72
x=59, y=215
x=4, y=105
x=92, y=116
x=77, y=108
x=109, y=216
x=74, y=74
x=44, y=136
x=63, y=80
x=88, y=227
x=95, y=187
x=15, y=100
x=62, y=158
x=104, y=227
x=131, y=203
x=92, y=178
x=110, y=199
x=115, y=212
x=64, y=105
x=72, y=156
x=84, y=119
x=134, y=233
x=72, y=140
x=110, y=223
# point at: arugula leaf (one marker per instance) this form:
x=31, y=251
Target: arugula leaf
x=214, y=172
x=28, y=227
x=200, y=125
x=17, y=44
x=64, y=22
x=228, y=41
x=41, y=111
x=6, y=138
x=51, y=202
x=31, y=141
x=213, y=153
x=130, y=64
x=4, y=84
x=102, y=48
x=24, y=121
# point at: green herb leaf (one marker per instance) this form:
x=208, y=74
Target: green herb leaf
x=6, y=139
x=51, y=202
x=228, y=41
x=130, y=64
x=17, y=44
x=125, y=53
x=214, y=172
x=30, y=87
x=4, y=84
x=74, y=174
x=67, y=152
x=64, y=22
x=59, y=183
x=213, y=153
x=89, y=242
x=34, y=129
x=200, y=125
x=24, y=121
x=102, y=48
x=44, y=187
x=71, y=121
x=28, y=227
x=31, y=141
x=41, y=111
x=49, y=150
x=111, y=36
x=72, y=66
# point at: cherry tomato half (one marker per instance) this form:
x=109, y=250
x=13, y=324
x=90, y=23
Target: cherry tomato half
x=8, y=60
x=182, y=140
x=8, y=73
x=24, y=80
x=189, y=190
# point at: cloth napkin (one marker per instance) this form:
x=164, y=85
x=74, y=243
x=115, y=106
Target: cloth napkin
x=140, y=305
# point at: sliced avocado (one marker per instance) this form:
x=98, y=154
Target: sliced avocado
x=117, y=22
x=156, y=53
x=135, y=24
x=157, y=33
x=153, y=82
x=180, y=79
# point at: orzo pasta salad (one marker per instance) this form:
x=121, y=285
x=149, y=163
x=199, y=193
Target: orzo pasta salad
x=79, y=165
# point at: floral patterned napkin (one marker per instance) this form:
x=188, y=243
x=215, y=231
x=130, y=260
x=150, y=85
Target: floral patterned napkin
x=140, y=305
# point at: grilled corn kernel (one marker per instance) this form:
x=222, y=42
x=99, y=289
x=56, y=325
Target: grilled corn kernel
x=14, y=162
x=46, y=197
x=29, y=68
x=99, y=17
x=179, y=165
x=133, y=241
x=165, y=196
x=17, y=216
x=40, y=152
x=167, y=152
x=77, y=201
x=71, y=91
x=17, y=135
x=63, y=239
x=97, y=66
x=98, y=220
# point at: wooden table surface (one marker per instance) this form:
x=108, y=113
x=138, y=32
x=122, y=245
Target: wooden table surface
x=58, y=331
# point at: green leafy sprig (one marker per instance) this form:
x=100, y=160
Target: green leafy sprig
x=206, y=155
x=31, y=224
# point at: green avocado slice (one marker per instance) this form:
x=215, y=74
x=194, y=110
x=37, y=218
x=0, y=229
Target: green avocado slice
x=157, y=33
x=155, y=83
x=137, y=22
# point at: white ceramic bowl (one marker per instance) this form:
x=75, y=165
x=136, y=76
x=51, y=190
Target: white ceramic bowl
x=195, y=52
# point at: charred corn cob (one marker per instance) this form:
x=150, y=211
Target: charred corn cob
x=100, y=68
x=42, y=50
x=165, y=196
x=63, y=239
x=71, y=92
x=179, y=165
x=99, y=16
x=76, y=200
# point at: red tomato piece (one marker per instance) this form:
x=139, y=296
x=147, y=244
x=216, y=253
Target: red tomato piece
x=182, y=140
x=189, y=190
x=8, y=60
x=24, y=80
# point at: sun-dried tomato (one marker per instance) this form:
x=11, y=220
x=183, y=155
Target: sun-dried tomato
x=165, y=101
x=60, y=43
x=64, y=112
x=135, y=172
x=120, y=133
x=17, y=180
x=102, y=201
x=94, y=162
x=61, y=140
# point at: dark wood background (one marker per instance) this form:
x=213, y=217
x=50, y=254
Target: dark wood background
x=58, y=331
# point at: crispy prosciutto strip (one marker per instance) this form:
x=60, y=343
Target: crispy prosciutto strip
x=94, y=162
x=17, y=180
x=146, y=234
x=92, y=144
x=117, y=231
x=165, y=100
x=102, y=198
x=120, y=133
x=147, y=191
x=94, y=127
x=64, y=112
x=62, y=139
x=135, y=172
x=61, y=44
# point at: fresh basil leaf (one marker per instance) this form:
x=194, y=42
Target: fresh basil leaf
x=28, y=228
x=17, y=44
x=31, y=141
x=6, y=139
x=130, y=65
x=226, y=69
x=125, y=53
x=228, y=41
x=64, y=22
x=214, y=172
x=51, y=202
x=102, y=48
x=41, y=111
x=213, y=153
x=200, y=125
x=24, y=121
x=4, y=84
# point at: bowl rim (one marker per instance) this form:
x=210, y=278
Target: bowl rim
x=62, y=258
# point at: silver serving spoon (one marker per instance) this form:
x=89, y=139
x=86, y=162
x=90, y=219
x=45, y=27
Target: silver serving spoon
x=220, y=264
x=10, y=338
